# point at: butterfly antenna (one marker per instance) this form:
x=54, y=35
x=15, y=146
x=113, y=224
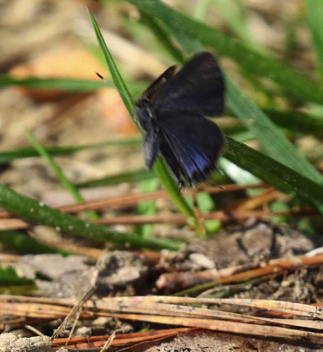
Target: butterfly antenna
x=112, y=86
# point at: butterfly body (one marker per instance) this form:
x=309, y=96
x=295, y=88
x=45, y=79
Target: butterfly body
x=171, y=112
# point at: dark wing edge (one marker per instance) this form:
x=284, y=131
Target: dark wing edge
x=150, y=93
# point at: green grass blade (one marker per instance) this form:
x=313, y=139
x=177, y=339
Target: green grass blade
x=27, y=245
x=277, y=146
x=225, y=45
x=315, y=19
x=9, y=276
x=11, y=155
x=60, y=84
x=66, y=84
x=60, y=174
x=296, y=121
x=117, y=79
x=239, y=176
x=124, y=177
x=36, y=212
x=274, y=173
x=159, y=166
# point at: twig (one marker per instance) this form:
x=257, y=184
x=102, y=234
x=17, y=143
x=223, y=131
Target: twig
x=108, y=343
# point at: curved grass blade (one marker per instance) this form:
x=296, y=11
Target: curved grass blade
x=36, y=212
x=294, y=121
x=92, y=215
x=273, y=172
x=159, y=166
x=225, y=45
x=115, y=74
x=273, y=139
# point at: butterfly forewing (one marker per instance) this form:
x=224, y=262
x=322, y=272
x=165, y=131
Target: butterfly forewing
x=197, y=88
x=154, y=89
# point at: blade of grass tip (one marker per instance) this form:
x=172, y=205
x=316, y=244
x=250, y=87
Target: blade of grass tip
x=92, y=215
x=159, y=166
x=227, y=46
x=11, y=155
x=315, y=19
x=118, y=81
x=61, y=84
x=66, y=84
x=39, y=213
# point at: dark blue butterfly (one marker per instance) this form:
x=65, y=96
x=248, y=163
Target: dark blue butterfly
x=171, y=112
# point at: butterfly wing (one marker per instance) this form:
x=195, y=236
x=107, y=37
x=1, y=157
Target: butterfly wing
x=197, y=88
x=151, y=146
x=171, y=159
x=195, y=142
x=151, y=92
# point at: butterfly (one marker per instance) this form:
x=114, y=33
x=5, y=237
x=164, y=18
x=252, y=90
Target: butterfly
x=171, y=112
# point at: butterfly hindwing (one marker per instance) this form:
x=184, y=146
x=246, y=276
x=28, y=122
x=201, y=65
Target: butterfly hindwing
x=197, y=88
x=171, y=159
x=195, y=142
